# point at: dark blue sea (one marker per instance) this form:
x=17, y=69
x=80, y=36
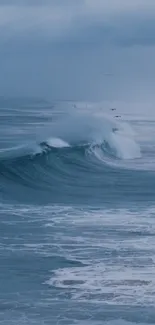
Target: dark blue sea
x=77, y=213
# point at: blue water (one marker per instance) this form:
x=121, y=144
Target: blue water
x=77, y=214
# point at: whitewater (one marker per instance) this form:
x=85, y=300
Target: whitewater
x=77, y=229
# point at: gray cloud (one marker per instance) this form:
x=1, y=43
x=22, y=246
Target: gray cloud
x=86, y=21
x=64, y=48
x=37, y=3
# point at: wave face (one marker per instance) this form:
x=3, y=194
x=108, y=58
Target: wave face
x=64, y=156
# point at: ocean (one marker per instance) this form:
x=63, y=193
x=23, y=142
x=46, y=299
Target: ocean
x=77, y=213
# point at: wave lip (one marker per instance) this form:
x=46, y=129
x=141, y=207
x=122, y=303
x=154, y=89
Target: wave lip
x=57, y=143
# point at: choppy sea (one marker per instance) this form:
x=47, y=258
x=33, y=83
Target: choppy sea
x=77, y=213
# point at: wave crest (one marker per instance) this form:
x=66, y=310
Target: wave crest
x=115, y=139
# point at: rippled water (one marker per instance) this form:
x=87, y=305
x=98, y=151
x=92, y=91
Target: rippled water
x=77, y=229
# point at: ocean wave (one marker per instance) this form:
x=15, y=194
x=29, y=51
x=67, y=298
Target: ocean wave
x=76, y=145
x=115, y=139
x=80, y=156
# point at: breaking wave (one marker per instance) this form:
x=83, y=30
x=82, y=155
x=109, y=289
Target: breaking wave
x=75, y=153
x=113, y=138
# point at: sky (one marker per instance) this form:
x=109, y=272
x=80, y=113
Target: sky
x=78, y=49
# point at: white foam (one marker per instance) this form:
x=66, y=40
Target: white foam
x=112, y=274
x=107, y=283
x=57, y=143
x=115, y=250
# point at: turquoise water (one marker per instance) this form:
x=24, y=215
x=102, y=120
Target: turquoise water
x=77, y=229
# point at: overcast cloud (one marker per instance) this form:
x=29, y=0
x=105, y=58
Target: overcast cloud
x=46, y=44
x=116, y=20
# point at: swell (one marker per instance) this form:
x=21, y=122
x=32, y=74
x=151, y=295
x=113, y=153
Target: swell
x=72, y=175
x=83, y=160
x=48, y=165
x=56, y=160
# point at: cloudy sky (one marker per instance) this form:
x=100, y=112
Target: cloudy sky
x=78, y=49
